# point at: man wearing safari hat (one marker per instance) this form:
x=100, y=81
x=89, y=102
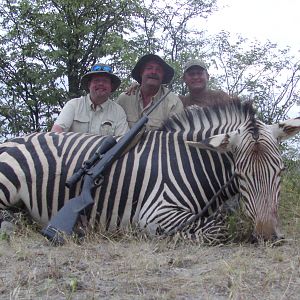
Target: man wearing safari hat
x=94, y=112
x=196, y=77
x=151, y=72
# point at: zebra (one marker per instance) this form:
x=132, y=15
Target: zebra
x=164, y=181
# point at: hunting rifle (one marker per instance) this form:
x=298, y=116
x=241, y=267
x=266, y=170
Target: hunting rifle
x=65, y=219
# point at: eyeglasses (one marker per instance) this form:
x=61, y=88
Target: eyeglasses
x=101, y=68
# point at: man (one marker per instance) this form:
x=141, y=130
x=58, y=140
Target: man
x=151, y=72
x=94, y=113
x=196, y=77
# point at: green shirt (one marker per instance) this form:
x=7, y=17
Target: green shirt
x=133, y=107
x=206, y=98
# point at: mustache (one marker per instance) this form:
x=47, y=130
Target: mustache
x=153, y=76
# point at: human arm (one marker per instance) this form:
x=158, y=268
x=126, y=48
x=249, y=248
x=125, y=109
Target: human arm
x=130, y=106
x=122, y=126
x=56, y=128
x=119, y=119
x=65, y=119
x=175, y=105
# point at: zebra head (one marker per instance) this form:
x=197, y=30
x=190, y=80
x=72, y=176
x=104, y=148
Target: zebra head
x=258, y=166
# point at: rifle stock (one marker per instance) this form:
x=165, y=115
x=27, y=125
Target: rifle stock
x=66, y=218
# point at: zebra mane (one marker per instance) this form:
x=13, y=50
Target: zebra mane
x=214, y=119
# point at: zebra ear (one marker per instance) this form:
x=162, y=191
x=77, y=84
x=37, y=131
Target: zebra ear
x=221, y=142
x=285, y=130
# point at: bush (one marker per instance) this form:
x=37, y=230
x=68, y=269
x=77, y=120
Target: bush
x=289, y=208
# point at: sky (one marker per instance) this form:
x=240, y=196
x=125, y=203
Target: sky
x=274, y=20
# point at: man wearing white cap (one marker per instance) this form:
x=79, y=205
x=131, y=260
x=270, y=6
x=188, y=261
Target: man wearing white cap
x=151, y=72
x=196, y=77
x=94, y=113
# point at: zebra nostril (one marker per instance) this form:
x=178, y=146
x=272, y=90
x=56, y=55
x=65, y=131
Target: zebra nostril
x=277, y=240
x=276, y=237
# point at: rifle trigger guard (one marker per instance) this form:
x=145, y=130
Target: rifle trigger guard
x=98, y=181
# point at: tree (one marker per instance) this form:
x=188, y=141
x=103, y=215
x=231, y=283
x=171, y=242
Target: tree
x=262, y=72
x=164, y=28
x=47, y=46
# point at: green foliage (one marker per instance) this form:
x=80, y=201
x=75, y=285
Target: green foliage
x=73, y=285
x=290, y=194
x=290, y=149
x=4, y=236
x=240, y=227
x=291, y=178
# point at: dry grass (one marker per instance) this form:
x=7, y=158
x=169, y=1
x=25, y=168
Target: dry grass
x=131, y=266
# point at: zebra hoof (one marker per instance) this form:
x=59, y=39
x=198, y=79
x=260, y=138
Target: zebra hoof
x=53, y=235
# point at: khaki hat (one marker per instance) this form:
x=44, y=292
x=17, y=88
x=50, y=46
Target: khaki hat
x=100, y=69
x=168, y=70
x=194, y=63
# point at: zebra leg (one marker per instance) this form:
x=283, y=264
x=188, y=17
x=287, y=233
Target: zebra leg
x=166, y=217
x=210, y=230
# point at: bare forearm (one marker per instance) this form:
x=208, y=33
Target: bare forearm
x=56, y=128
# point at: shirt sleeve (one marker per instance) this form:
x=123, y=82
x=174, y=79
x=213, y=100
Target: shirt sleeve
x=175, y=105
x=121, y=100
x=122, y=125
x=66, y=117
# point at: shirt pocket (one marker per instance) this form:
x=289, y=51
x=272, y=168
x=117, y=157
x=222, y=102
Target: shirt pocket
x=107, y=127
x=80, y=125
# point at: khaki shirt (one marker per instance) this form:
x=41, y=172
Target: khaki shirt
x=206, y=98
x=133, y=106
x=78, y=115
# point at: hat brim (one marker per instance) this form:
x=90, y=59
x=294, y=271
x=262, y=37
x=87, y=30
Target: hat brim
x=168, y=70
x=85, y=79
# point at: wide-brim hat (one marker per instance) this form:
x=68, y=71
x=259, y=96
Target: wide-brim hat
x=168, y=70
x=100, y=69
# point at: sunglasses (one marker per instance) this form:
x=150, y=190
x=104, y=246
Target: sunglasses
x=101, y=68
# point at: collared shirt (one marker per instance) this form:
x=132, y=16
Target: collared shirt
x=134, y=109
x=79, y=115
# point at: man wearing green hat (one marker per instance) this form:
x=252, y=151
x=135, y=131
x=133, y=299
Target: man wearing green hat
x=94, y=113
x=151, y=72
x=196, y=77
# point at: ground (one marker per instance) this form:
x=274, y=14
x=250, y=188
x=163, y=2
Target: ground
x=131, y=266
x=135, y=267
